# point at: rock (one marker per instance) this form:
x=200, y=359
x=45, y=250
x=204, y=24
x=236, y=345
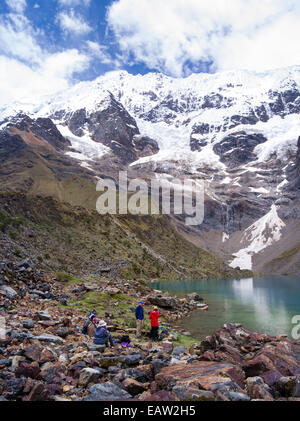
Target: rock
x=33, y=352
x=237, y=397
x=10, y=292
x=63, y=358
x=286, y=386
x=192, y=394
x=98, y=348
x=112, y=291
x=133, y=386
x=47, y=355
x=168, y=303
x=195, y=297
x=257, y=389
x=167, y=346
x=132, y=360
x=5, y=363
x=297, y=387
x=28, y=324
x=63, y=332
x=160, y=396
x=179, y=350
x=88, y=375
x=38, y=393
x=28, y=370
x=50, y=338
x=16, y=360
x=44, y=315
x=205, y=375
x=107, y=392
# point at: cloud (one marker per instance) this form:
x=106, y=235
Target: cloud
x=74, y=2
x=17, y=6
x=28, y=72
x=99, y=51
x=72, y=23
x=176, y=36
x=20, y=82
x=18, y=39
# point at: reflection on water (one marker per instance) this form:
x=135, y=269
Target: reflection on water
x=260, y=304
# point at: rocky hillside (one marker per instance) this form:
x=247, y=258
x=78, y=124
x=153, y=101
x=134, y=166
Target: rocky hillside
x=44, y=357
x=80, y=242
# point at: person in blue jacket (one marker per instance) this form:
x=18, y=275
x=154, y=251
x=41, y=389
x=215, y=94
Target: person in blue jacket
x=139, y=315
x=102, y=335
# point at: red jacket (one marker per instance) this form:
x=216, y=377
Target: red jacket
x=154, y=315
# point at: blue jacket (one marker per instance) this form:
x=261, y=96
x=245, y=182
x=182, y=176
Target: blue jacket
x=139, y=313
x=102, y=336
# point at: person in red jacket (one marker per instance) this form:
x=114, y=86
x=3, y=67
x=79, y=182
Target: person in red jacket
x=154, y=315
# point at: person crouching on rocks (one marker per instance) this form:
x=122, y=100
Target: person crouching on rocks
x=139, y=315
x=154, y=316
x=102, y=335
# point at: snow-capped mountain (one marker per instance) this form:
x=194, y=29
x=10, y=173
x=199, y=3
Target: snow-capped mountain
x=236, y=130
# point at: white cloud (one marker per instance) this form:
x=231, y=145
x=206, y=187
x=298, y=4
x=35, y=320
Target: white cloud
x=17, y=6
x=27, y=71
x=74, y=2
x=72, y=23
x=99, y=51
x=175, y=35
x=18, y=39
x=20, y=82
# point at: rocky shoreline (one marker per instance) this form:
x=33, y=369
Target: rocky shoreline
x=43, y=357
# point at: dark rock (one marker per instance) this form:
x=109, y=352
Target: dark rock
x=50, y=338
x=33, y=352
x=28, y=324
x=44, y=315
x=167, y=303
x=179, y=350
x=257, y=389
x=133, y=386
x=39, y=393
x=107, y=392
x=27, y=370
x=88, y=375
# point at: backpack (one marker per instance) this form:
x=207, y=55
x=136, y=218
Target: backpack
x=85, y=327
x=125, y=339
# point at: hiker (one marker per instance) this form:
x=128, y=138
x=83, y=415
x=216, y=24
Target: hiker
x=139, y=315
x=154, y=315
x=89, y=324
x=102, y=335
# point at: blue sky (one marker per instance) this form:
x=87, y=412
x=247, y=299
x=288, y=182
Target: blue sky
x=48, y=45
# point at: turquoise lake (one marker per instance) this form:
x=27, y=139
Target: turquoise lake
x=262, y=304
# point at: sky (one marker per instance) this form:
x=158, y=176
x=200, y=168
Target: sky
x=48, y=45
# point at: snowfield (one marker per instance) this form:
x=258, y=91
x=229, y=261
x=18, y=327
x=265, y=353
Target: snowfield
x=259, y=236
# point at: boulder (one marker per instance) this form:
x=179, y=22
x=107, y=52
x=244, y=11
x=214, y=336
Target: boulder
x=107, y=392
x=133, y=386
x=192, y=394
x=28, y=324
x=179, y=350
x=168, y=303
x=195, y=297
x=39, y=393
x=88, y=375
x=33, y=352
x=10, y=292
x=257, y=389
x=209, y=376
x=45, y=337
x=43, y=315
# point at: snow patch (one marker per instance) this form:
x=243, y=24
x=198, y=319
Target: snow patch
x=86, y=149
x=259, y=236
